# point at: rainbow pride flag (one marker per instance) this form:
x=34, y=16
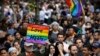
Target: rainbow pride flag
x=75, y=7
x=37, y=34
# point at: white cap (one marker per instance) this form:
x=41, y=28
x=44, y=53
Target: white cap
x=28, y=44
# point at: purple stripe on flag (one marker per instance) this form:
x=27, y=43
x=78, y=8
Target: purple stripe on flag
x=79, y=10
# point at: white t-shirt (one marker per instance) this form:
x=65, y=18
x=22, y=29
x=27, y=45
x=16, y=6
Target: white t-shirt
x=41, y=15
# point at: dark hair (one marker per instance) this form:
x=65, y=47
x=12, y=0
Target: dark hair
x=56, y=49
x=7, y=35
x=86, y=47
x=19, y=33
x=78, y=39
x=60, y=33
x=71, y=47
x=48, y=51
x=97, y=32
x=90, y=30
x=72, y=27
x=3, y=49
x=15, y=42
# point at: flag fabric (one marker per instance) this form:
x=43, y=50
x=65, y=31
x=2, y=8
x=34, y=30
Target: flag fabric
x=37, y=33
x=75, y=7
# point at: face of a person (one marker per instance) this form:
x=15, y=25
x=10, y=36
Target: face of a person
x=80, y=23
x=89, y=24
x=60, y=38
x=18, y=35
x=16, y=44
x=4, y=53
x=79, y=43
x=52, y=49
x=83, y=38
x=60, y=46
x=96, y=50
x=25, y=25
x=96, y=35
x=85, y=50
x=13, y=53
x=11, y=38
x=29, y=48
x=55, y=27
x=65, y=22
x=74, y=50
x=71, y=31
x=88, y=33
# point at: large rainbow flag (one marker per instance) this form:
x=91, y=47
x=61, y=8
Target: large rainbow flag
x=75, y=7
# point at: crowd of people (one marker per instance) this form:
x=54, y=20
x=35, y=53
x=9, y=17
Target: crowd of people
x=68, y=35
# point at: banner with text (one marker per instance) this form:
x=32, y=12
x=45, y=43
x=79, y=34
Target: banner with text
x=37, y=34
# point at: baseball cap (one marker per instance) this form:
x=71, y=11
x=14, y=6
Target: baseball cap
x=28, y=44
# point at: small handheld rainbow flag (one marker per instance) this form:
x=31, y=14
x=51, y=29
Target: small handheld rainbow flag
x=75, y=7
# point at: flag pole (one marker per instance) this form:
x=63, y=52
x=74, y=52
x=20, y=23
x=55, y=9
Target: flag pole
x=83, y=11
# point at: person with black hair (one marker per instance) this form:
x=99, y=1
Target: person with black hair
x=86, y=51
x=59, y=49
x=79, y=43
x=73, y=50
x=96, y=49
x=89, y=37
x=96, y=36
x=50, y=50
x=9, y=41
x=4, y=52
x=61, y=38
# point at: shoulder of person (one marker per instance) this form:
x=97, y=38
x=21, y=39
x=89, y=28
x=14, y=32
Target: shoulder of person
x=65, y=44
x=22, y=54
x=37, y=53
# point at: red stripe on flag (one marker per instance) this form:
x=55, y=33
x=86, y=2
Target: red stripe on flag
x=68, y=2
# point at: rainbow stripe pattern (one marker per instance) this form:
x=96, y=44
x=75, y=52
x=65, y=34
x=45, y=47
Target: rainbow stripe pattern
x=37, y=34
x=75, y=7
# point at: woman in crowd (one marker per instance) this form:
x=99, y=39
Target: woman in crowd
x=59, y=50
x=51, y=50
x=17, y=46
x=54, y=31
